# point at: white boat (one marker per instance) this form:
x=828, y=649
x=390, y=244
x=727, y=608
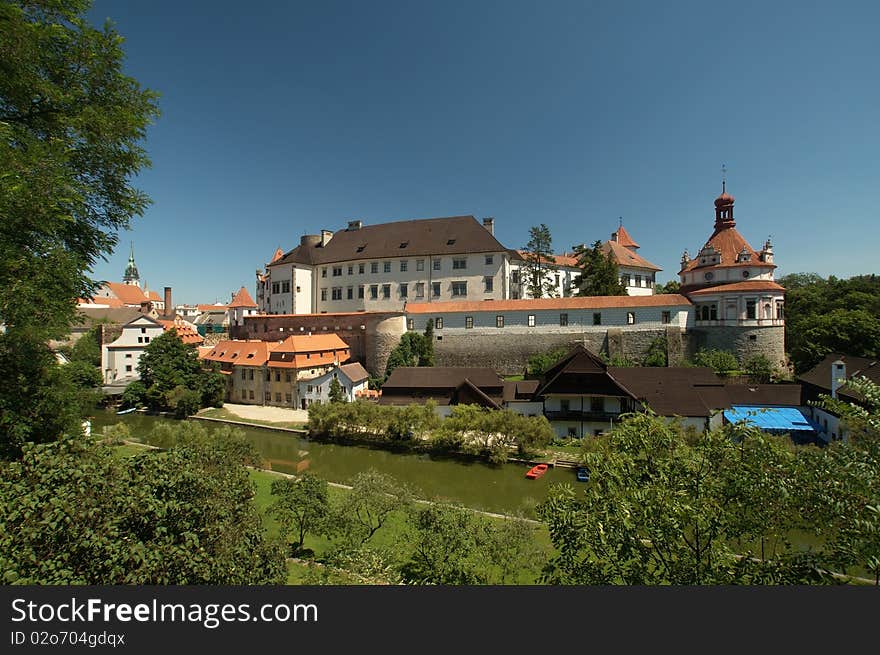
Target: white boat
x=127, y=411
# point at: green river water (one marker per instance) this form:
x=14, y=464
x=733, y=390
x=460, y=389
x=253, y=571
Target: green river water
x=474, y=484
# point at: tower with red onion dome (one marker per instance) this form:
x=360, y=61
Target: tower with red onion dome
x=738, y=307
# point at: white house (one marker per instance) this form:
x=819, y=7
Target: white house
x=352, y=377
x=119, y=359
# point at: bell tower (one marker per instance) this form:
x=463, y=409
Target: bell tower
x=131, y=272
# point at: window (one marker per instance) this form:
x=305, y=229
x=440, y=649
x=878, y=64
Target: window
x=450, y=242
x=337, y=271
x=420, y=264
x=360, y=248
x=360, y=269
x=251, y=376
x=140, y=339
x=350, y=293
x=630, y=318
x=386, y=291
x=404, y=264
x=745, y=273
x=489, y=284
x=285, y=286
x=288, y=398
x=324, y=294
x=459, y=264
x=665, y=317
x=750, y=308
x=386, y=267
x=360, y=291
x=244, y=394
x=436, y=264
x=128, y=355
x=146, y=339
x=469, y=322
x=638, y=280
x=563, y=405
x=531, y=320
x=420, y=289
x=435, y=289
x=404, y=244
x=267, y=396
x=276, y=287
x=514, y=276
x=438, y=322
x=309, y=389
x=374, y=291
x=767, y=310
x=287, y=377
x=242, y=374
x=337, y=293
x=403, y=290
x=709, y=275
x=277, y=376
x=324, y=272
x=597, y=318
x=143, y=330
x=563, y=320
x=499, y=321
x=268, y=375
x=277, y=396
x=625, y=279
x=489, y=260
x=374, y=267
x=780, y=311
x=597, y=404
x=128, y=368
x=410, y=324
x=459, y=289
x=251, y=394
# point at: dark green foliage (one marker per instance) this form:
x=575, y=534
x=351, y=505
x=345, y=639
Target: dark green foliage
x=414, y=349
x=833, y=315
x=599, y=275
x=759, y=368
x=426, y=357
x=673, y=286
x=74, y=512
x=71, y=124
x=337, y=393
x=539, y=363
x=38, y=402
x=540, y=263
x=494, y=434
x=373, y=498
x=173, y=378
x=302, y=507
x=656, y=355
x=720, y=361
x=134, y=395
x=88, y=348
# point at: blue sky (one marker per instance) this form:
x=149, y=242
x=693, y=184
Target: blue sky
x=283, y=118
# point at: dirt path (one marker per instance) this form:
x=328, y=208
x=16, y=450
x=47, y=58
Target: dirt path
x=268, y=413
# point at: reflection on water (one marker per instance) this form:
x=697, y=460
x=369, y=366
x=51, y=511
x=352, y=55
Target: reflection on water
x=472, y=483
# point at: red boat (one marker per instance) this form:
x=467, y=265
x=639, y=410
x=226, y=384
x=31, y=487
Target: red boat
x=537, y=471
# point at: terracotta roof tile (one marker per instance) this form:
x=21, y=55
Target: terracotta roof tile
x=240, y=353
x=626, y=257
x=152, y=295
x=576, y=302
x=623, y=238
x=212, y=308
x=322, y=350
x=560, y=260
x=750, y=285
x=185, y=331
x=730, y=243
x=129, y=294
x=242, y=299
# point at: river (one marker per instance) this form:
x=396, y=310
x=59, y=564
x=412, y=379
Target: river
x=474, y=484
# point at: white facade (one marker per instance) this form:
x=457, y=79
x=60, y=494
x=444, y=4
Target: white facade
x=317, y=389
x=638, y=281
x=120, y=358
x=563, y=280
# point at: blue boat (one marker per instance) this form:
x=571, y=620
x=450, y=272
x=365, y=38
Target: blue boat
x=583, y=474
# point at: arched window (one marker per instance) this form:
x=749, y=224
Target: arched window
x=767, y=310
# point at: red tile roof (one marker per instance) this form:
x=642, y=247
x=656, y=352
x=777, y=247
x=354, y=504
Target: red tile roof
x=185, y=331
x=278, y=255
x=623, y=238
x=129, y=294
x=729, y=243
x=212, y=308
x=240, y=353
x=577, y=302
x=100, y=300
x=242, y=299
x=293, y=352
x=750, y=285
x=626, y=257
x=152, y=295
x=560, y=260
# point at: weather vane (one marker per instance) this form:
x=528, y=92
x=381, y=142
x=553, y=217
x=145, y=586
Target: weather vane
x=723, y=178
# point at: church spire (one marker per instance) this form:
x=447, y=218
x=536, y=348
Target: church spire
x=131, y=275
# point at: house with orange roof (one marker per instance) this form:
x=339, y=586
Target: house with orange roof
x=288, y=373
x=636, y=272
x=239, y=307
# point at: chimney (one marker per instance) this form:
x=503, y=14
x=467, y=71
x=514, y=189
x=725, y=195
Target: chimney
x=489, y=224
x=838, y=376
x=169, y=309
x=355, y=225
x=326, y=235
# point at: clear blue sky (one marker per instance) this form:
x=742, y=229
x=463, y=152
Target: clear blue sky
x=282, y=118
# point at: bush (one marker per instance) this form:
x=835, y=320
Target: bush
x=721, y=361
x=759, y=368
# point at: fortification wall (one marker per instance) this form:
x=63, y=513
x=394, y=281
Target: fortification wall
x=744, y=342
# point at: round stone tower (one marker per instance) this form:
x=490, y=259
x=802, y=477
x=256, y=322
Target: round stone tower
x=737, y=305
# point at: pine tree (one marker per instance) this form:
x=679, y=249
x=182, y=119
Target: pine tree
x=599, y=276
x=426, y=357
x=540, y=263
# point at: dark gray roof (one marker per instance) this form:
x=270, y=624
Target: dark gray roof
x=114, y=315
x=354, y=372
x=820, y=375
x=674, y=391
x=454, y=235
x=779, y=395
x=441, y=377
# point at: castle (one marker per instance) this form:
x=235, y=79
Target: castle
x=370, y=284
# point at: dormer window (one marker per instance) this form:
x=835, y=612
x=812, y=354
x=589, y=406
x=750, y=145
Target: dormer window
x=360, y=248
x=404, y=244
x=450, y=242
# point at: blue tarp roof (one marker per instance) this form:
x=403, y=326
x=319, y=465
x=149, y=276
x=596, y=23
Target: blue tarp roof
x=777, y=419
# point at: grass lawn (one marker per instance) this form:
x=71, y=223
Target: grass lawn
x=226, y=415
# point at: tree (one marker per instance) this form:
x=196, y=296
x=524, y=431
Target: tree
x=599, y=276
x=720, y=361
x=76, y=512
x=426, y=357
x=173, y=378
x=88, y=348
x=373, y=498
x=759, y=368
x=408, y=352
x=301, y=507
x=337, y=393
x=656, y=355
x=511, y=549
x=540, y=263
x=539, y=363
x=70, y=129
x=673, y=286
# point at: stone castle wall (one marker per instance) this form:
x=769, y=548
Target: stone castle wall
x=744, y=342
